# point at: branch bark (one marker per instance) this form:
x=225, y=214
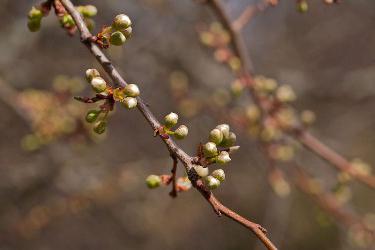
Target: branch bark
x=155, y=124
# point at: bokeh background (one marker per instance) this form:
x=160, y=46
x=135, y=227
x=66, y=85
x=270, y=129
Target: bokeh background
x=74, y=195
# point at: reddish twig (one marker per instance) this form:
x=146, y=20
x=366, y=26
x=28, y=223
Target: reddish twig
x=155, y=124
x=173, y=193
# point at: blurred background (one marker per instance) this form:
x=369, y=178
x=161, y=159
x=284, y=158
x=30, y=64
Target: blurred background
x=73, y=190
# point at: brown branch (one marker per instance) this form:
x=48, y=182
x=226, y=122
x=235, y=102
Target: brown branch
x=309, y=141
x=155, y=124
x=173, y=193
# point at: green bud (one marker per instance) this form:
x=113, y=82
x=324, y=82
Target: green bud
x=35, y=14
x=209, y=149
x=127, y=32
x=130, y=102
x=219, y=174
x=201, y=171
x=170, y=120
x=229, y=141
x=212, y=182
x=100, y=127
x=117, y=38
x=216, y=136
x=131, y=90
x=223, y=157
x=34, y=24
x=92, y=115
x=302, y=6
x=224, y=128
x=153, y=181
x=121, y=22
x=68, y=21
x=237, y=87
x=181, y=132
x=88, y=10
x=98, y=84
x=91, y=74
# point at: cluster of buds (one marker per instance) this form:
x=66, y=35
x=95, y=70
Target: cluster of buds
x=117, y=33
x=87, y=12
x=218, y=38
x=154, y=181
x=124, y=95
x=217, y=150
x=170, y=121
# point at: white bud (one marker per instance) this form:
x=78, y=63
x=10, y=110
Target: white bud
x=181, y=132
x=98, y=84
x=201, y=171
x=223, y=157
x=212, y=182
x=210, y=149
x=230, y=140
x=132, y=90
x=130, y=102
x=224, y=128
x=91, y=73
x=219, y=174
x=121, y=22
x=171, y=120
x=216, y=136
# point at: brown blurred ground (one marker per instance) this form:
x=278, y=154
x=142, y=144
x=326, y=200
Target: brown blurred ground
x=327, y=55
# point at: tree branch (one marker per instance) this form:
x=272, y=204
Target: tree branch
x=155, y=124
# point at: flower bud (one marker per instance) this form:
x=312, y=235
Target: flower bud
x=302, y=6
x=153, y=181
x=88, y=10
x=224, y=128
x=34, y=24
x=92, y=115
x=201, y=171
x=210, y=149
x=100, y=127
x=67, y=21
x=219, y=174
x=223, y=157
x=216, y=136
x=212, y=182
x=118, y=94
x=121, y=22
x=237, y=87
x=35, y=14
x=98, y=84
x=130, y=102
x=117, y=38
x=91, y=74
x=170, y=120
x=308, y=117
x=131, y=90
x=181, y=132
x=127, y=32
x=229, y=141
x=285, y=94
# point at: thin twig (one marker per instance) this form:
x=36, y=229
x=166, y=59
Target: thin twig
x=155, y=124
x=173, y=193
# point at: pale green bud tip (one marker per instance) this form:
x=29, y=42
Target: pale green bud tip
x=91, y=73
x=67, y=20
x=212, y=182
x=132, y=90
x=100, y=127
x=34, y=25
x=230, y=140
x=303, y=6
x=308, y=117
x=117, y=38
x=88, y=10
x=181, y=132
x=285, y=93
x=224, y=128
x=201, y=171
x=98, y=84
x=130, y=102
x=35, y=13
x=121, y=22
x=171, y=119
x=92, y=115
x=210, y=149
x=153, y=181
x=223, y=157
x=233, y=149
x=219, y=174
x=216, y=136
